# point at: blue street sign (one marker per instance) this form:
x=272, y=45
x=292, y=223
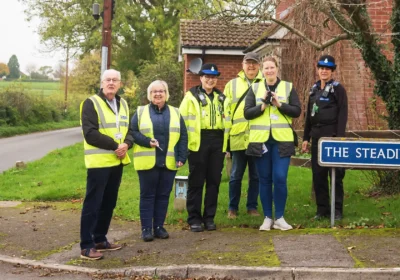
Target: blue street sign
x=353, y=152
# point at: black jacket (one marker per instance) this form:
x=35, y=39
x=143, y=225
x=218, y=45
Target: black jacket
x=90, y=126
x=161, y=122
x=331, y=118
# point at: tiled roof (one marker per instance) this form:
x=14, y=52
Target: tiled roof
x=219, y=34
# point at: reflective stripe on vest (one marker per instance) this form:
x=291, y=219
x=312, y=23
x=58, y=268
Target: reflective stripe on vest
x=145, y=158
x=191, y=113
x=239, y=134
x=95, y=157
x=272, y=120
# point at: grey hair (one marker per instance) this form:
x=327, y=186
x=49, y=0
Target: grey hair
x=161, y=82
x=110, y=71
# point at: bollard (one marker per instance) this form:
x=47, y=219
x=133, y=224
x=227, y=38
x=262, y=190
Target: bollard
x=181, y=186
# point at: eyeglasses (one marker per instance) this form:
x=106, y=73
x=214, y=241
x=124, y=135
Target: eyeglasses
x=109, y=80
x=251, y=62
x=207, y=77
x=159, y=91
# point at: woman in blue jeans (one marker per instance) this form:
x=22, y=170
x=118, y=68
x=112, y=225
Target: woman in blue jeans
x=270, y=110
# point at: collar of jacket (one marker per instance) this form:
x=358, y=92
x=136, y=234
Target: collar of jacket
x=155, y=108
x=318, y=83
x=102, y=96
x=242, y=75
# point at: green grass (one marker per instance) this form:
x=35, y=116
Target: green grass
x=61, y=175
x=44, y=88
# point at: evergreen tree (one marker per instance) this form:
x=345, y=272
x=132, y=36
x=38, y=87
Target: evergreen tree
x=13, y=66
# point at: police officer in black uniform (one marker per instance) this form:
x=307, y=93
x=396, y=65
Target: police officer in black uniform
x=326, y=117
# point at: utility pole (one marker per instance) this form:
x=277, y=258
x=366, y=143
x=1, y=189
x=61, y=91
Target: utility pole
x=106, y=42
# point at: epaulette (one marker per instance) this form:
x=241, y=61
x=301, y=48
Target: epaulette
x=335, y=83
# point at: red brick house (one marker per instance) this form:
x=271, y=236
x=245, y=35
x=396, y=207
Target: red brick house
x=216, y=42
x=224, y=44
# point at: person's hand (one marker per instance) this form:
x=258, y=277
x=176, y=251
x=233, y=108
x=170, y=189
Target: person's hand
x=304, y=147
x=227, y=155
x=179, y=164
x=154, y=143
x=275, y=100
x=121, y=150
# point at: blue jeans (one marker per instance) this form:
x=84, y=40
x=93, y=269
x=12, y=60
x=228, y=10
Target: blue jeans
x=273, y=169
x=155, y=189
x=239, y=162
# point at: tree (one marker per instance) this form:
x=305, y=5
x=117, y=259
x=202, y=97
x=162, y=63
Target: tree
x=85, y=77
x=13, y=66
x=4, y=71
x=46, y=70
x=31, y=67
x=142, y=30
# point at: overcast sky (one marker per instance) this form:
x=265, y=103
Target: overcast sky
x=20, y=38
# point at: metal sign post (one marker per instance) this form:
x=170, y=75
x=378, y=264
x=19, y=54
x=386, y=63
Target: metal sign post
x=358, y=153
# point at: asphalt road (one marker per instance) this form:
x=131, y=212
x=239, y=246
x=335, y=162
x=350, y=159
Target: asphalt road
x=36, y=145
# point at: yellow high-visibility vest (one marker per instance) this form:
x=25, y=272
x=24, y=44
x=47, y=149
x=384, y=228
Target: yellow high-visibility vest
x=197, y=118
x=145, y=158
x=272, y=121
x=96, y=157
x=234, y=89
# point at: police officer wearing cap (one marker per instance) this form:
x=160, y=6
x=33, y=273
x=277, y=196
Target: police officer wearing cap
x=236, y=90
x=207, y=118
x=326, y=117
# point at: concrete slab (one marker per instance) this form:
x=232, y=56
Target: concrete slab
x=4, y=204
x=311, y=251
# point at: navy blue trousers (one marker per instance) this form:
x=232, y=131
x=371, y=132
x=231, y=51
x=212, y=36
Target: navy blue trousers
x=102, y=187
x=155, y=189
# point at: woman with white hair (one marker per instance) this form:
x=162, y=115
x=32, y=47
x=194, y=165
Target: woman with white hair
x=160, y=149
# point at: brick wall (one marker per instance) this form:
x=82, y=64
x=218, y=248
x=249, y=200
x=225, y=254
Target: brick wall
x=228, y=65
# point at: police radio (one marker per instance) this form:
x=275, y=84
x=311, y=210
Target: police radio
x=203, y=99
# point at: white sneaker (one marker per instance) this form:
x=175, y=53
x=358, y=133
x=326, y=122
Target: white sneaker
x=281, y=224
x=266, y=224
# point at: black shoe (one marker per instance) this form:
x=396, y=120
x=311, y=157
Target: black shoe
x=160, y=232
x=196, y=228
x=338, y=215
x=319, y=216
x=210, y=226
x=147, y=235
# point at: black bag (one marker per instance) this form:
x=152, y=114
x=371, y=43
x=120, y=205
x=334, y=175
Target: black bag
x=254, y=149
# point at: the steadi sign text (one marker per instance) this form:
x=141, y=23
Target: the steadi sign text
x=365, y=153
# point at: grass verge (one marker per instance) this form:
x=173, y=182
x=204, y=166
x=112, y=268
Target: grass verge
x=61, y=175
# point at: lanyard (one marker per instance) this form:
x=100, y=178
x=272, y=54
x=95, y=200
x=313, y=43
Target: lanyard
x=113, y=105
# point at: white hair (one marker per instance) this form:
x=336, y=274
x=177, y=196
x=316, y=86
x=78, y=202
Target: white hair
x=160, y=82
x=110, y=71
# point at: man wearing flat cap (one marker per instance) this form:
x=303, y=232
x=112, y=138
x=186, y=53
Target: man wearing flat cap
x=207, y=118
x=326, y=117
x=236, y=90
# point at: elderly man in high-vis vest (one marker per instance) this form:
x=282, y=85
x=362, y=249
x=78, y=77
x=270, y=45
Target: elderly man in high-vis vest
x=105, y=125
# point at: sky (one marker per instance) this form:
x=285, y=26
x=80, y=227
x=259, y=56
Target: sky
x=19, y=37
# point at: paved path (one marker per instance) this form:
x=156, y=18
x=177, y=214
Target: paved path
x=36, y=145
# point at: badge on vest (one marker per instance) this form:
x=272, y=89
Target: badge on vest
x=124, y=117
x=118, y=136
x=274, y=117
x=323, y=99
